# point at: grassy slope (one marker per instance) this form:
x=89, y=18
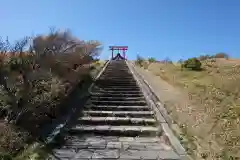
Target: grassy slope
x=212, y=121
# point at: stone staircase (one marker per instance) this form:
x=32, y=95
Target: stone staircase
x=117, y=106
x=116, y=122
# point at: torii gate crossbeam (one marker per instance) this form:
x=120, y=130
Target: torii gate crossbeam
x=119, y=48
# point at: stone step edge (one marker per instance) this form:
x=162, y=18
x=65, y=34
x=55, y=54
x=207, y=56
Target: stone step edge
x=120, y=112
x=109, y=128
x=116, y=91
x=125, y=98
x=117, y=106
x=117, y=88
x=116, y=94
x=117, y=119
x=111, y=102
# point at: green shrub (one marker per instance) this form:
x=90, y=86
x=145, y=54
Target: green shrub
x=151, y=60
x=5, y=157
x=192, y=63
x=140, y=60
x=180, y=61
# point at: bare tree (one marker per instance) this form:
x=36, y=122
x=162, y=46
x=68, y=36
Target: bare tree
x=33, y=71
x=24, y=84
x=15, y=64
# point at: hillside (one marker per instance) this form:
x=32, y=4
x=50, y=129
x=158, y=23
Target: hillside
x=208, y=107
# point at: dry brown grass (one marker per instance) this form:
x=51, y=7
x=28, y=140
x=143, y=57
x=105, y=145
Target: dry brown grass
x=212, y=120
x=38, y=75
x=11, y=133
x=14, y=139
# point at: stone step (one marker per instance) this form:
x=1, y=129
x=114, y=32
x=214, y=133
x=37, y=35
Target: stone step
x=125, y=71
x=123, y=77
x=117, y=80
x=113, y=148
x=116, y=121
x=117, y=88
x=120, y=103
x=78, y=140
x=108, y=83
x=120, y=80
x=117, y=108
x=134, y=114
x=117, y=64
x=111, y=142
x=116, y=72
x=123, y=66
x=114, y=63
x=127, y=86
x=113, y=94
x=111, y=81
x=119, y=68
x=111, y=98
x=117, y=130
x=117, y=75
x=118, y=84
x=90, y=141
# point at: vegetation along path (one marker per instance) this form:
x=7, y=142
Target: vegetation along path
x=118, y=121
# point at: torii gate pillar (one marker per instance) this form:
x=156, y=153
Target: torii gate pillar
x=119, y=48
x=112, y=53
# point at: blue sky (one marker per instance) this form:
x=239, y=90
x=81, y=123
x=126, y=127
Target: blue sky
x=152, y=28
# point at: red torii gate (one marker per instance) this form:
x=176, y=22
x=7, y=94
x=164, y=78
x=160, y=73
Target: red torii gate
x=119, y=48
